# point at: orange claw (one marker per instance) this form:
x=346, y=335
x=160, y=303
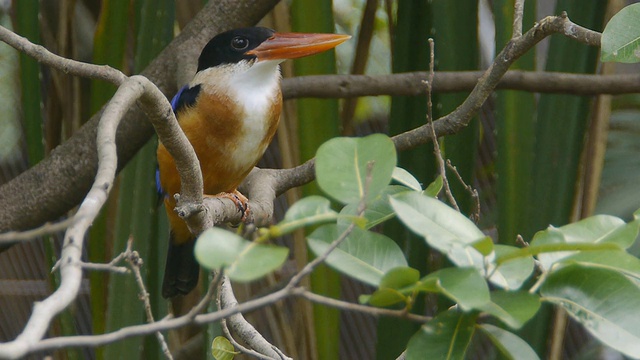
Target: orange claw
x=241, y=201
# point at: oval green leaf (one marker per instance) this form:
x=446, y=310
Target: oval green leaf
x=405, y=178
x=465, y=286
x=242, y=260
x=443, y=228
x=509, y=344
x=341, y=166
x=222, y=349
x=363, y=255
x=377, y=211
x=513, y=308
x=447, y=336
x=511, y=274
x=599, y=229
x=386, y=297
x=621, y=37
x=312, y=210
x=605, y=302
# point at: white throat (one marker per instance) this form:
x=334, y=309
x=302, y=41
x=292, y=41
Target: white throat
x=254, y=86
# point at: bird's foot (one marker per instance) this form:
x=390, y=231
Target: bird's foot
x=241, y=201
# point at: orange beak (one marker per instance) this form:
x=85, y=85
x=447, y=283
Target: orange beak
x=283, y=46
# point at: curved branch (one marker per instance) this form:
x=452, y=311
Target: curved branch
x=70, y=264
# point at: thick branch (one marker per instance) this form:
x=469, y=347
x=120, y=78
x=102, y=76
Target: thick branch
x=411, y=84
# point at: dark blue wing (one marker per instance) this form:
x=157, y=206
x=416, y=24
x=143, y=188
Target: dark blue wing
x=161, y=193
x=185, y=97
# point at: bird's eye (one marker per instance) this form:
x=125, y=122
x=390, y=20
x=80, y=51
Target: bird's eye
x=239, y=43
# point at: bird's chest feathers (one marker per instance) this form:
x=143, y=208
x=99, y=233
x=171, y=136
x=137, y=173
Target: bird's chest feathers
x=240, y=119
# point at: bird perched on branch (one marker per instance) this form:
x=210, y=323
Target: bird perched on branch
x=229, y=112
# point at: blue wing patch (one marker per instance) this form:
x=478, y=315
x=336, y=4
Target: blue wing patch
x=185, y=97
x=161, y=193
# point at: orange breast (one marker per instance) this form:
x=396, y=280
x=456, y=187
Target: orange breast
x=215, y=127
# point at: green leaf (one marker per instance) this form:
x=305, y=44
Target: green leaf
x=465, y=286
x=341, y=166
x=405, y=178
x=621, y=37
x=363, y=255
x=511, y=274
x=395, y=279
x=385, y=297
x=447, y=336
x=377, y=211
x=616, y=260
x=484, y=246
x=596, y=229
x=605, y=302
x=242, y=260
x=400, y=277
x=514, y=308
x=509, y=344
x=222, y=349
x=435, y=187
x=311, y=210
x=442, y=227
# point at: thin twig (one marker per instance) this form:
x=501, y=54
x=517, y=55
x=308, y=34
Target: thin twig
x=348, y=306
x=46, y=229
x=434, y=138
x=135, y=262
x=475, y=215
x=518, y=14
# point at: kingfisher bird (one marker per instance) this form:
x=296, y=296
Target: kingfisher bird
x=229, y=112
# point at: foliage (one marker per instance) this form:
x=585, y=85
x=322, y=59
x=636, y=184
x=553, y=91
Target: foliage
x=583, y=267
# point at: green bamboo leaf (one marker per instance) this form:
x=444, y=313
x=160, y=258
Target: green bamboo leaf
x=515, y=113
x=559, y=144
x=10, y=135
x=28, y=25
x=621, y=37
x=363, y=255
x=605, y=302
x=447, y=336
x=242, y=260
x=509, y=344
x=341, y=166
x=318, y=120
x=511, y=274
x=442, y=227
x=513, y=308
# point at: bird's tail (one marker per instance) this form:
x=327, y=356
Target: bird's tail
x=181, y=270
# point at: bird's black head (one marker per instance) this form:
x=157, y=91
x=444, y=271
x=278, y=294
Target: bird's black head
x=231, y=46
